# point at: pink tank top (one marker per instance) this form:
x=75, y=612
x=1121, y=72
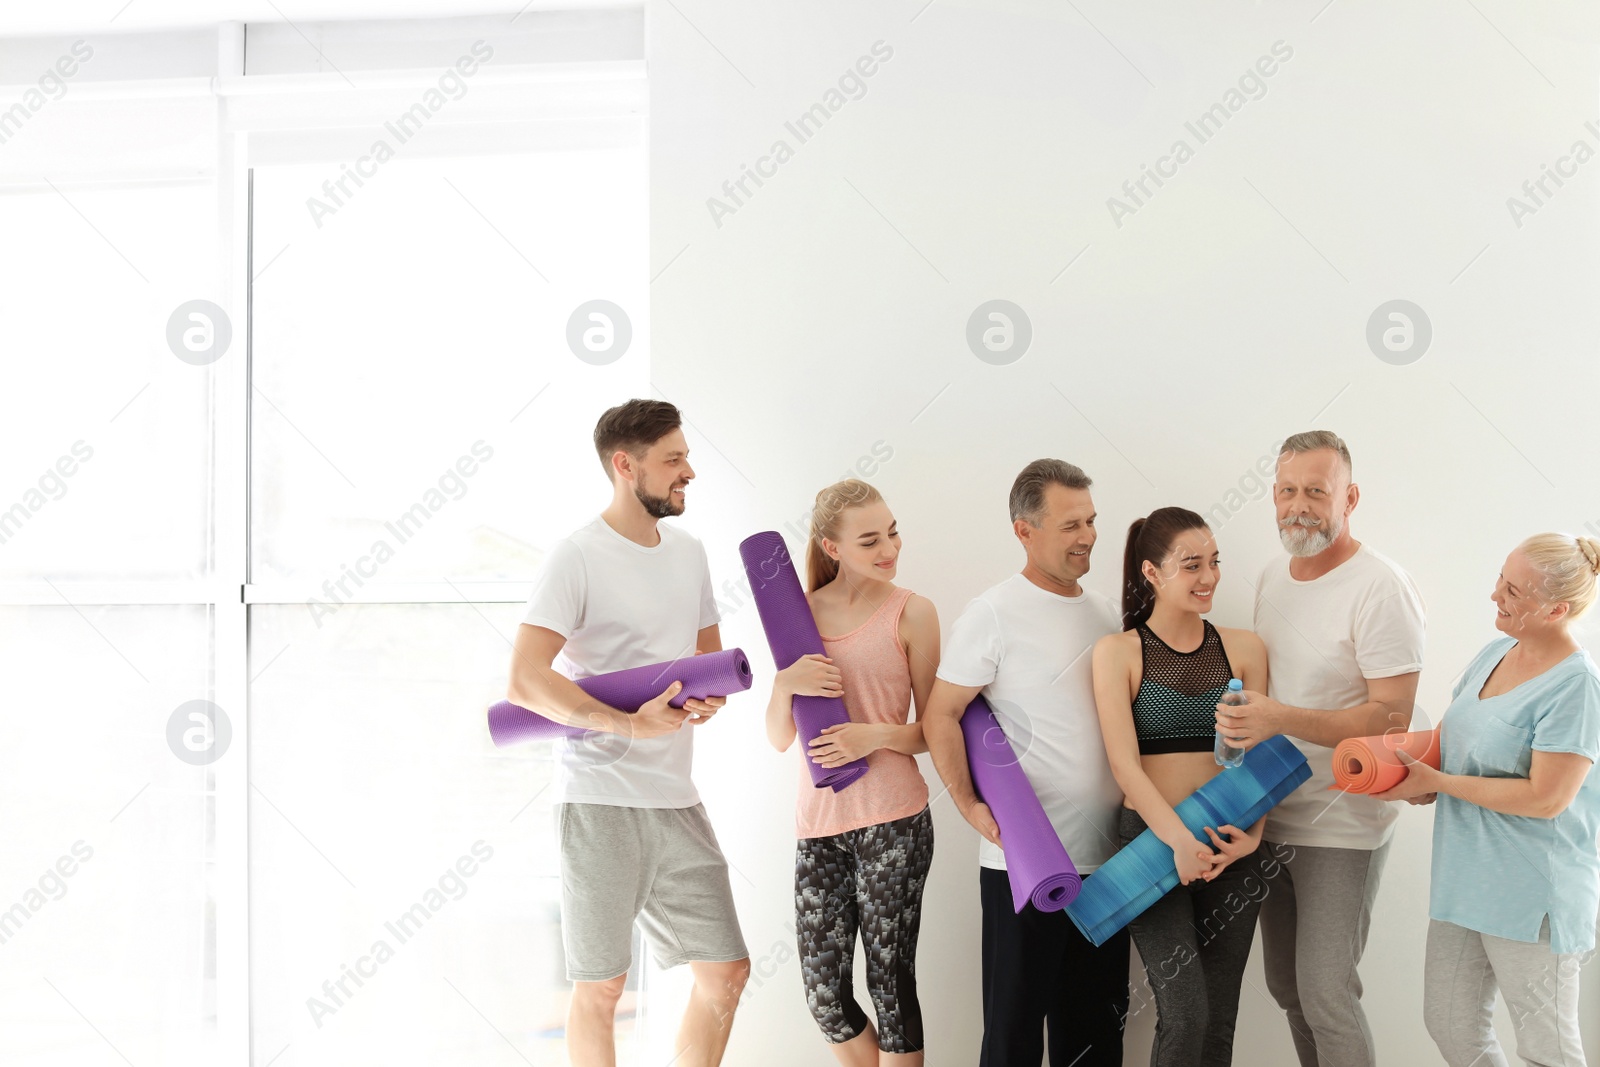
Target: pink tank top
x=877, y=688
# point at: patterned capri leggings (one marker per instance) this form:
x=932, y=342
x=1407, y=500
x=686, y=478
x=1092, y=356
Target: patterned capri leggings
x=869, y=880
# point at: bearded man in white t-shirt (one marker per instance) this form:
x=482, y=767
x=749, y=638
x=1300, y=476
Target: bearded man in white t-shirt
x=1343, y=626
x=624, y=591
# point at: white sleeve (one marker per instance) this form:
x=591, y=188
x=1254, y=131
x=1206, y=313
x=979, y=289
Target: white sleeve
x=559, y=591
x=709, y=614
x=1113, y=615
x=1255, y=607
x=972, y=654
x=1389, y=629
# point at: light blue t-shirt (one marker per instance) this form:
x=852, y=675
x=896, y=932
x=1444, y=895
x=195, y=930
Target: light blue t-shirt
x=1502, y=874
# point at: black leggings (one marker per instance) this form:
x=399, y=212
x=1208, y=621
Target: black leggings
x=1194, y=943
x=869, y=880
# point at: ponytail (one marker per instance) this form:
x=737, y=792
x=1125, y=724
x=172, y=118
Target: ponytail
x=1137, y=596
x=821, y=568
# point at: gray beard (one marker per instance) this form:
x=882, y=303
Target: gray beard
x=1306, y=541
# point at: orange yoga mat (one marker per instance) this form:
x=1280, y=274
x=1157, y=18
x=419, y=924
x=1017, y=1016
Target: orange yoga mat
x=1372, y=764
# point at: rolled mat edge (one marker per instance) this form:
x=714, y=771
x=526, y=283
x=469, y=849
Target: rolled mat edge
x=1367, y=765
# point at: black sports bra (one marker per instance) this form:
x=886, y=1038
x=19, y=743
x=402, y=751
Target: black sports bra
x=1175, y=709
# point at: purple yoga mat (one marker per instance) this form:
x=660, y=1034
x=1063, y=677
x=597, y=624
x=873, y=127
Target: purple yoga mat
x=792, y=633
x=1036, y=862
x=713, y=674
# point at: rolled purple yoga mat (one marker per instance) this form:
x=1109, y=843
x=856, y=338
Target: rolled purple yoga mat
x=1036, y=861
x=714, y=674
x=791, y=633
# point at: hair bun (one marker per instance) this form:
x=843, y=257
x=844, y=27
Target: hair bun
x=1591, y=552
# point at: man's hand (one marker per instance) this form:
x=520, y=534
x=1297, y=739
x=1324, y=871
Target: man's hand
x=982, y=819
x=703, y=709
x=657, y=718
x=1247, y=725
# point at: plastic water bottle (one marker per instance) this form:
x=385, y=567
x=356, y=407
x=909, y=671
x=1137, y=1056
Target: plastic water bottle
x=1227, y=755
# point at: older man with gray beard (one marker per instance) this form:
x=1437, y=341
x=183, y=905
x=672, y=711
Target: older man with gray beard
x=1343, y=626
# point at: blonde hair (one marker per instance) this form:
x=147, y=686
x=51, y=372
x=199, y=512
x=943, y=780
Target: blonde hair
x=1570, y=566
x=830, y=504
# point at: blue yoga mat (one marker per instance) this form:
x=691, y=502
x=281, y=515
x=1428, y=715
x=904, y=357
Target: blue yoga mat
x=1142, y=872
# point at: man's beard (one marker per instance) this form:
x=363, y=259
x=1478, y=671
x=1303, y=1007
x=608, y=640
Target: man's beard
x=659, y=507
x=1305, y=541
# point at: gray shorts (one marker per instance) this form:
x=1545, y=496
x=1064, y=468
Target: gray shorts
x=661, y=866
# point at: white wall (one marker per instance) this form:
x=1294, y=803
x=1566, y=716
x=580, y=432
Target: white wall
x=829, y=309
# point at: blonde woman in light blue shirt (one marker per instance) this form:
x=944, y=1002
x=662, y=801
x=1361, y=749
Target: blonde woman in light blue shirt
x=1516, y=867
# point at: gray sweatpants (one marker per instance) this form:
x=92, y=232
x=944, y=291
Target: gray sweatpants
x=1314, y=925
x=1463, y=969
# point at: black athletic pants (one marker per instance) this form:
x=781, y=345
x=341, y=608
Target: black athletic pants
x=1038, y=969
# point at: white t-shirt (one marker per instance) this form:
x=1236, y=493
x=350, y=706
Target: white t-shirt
x=619, y=605
x=1030, y=650
x=1325, y=638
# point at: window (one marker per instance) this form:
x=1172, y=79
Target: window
x=407, y=366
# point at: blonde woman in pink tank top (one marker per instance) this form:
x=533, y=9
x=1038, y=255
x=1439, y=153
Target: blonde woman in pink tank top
x=863, y=853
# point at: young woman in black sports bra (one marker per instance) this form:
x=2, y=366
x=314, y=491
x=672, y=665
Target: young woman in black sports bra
x=1156, y=687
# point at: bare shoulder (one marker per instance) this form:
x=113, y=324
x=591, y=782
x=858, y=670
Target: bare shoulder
x=919, y=623
x=1117, y=648
x=919, y=612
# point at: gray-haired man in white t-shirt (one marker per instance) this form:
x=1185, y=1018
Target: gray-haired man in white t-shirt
x=625, y=591
x=1343, y=626
x=1026, y=645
